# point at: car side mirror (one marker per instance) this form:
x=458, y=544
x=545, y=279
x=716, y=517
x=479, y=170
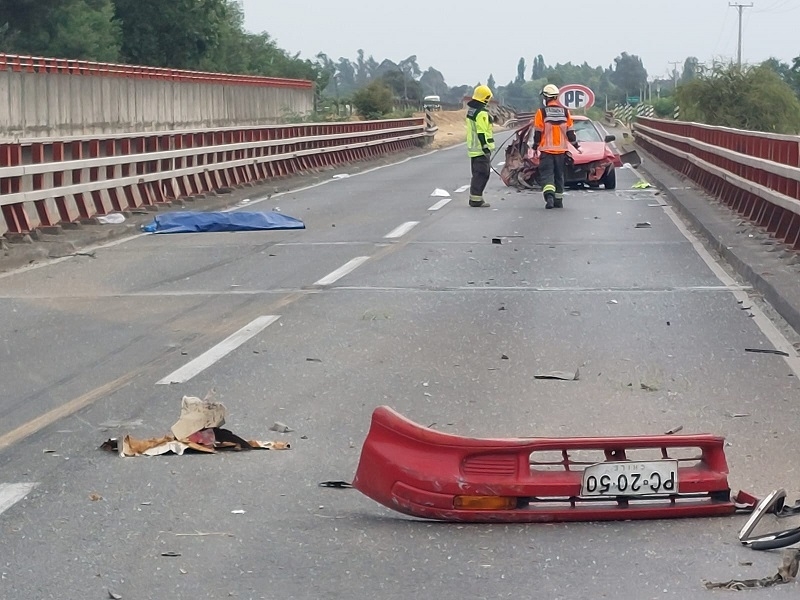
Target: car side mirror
x=610, y=138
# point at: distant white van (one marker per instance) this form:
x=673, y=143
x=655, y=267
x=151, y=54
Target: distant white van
x=432, y=102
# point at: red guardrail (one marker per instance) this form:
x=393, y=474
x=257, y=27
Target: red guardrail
x=52, y=183
x=35, y=64
x=756, y=174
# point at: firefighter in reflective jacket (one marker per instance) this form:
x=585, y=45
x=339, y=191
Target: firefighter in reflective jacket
x=480, y=143
x=553, y=130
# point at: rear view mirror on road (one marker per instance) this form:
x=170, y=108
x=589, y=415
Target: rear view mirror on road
x=610, y=138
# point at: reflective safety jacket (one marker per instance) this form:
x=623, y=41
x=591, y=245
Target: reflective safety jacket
x=553, y=129
x=480, y=136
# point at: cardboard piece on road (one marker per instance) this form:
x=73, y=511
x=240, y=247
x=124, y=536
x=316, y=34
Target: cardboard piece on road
x=197, y=415
x=197, y=429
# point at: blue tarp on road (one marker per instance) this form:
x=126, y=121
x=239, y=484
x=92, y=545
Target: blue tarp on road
x=204, y=222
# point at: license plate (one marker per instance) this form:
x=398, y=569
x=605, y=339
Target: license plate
x=629, y=478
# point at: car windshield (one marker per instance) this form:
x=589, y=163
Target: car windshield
x=586, y=132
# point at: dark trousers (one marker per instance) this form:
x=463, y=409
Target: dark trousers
x=481, y=170
x=551, y=174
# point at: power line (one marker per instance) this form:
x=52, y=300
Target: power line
x=740, y=8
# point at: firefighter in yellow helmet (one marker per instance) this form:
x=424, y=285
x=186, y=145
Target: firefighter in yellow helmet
x=553, y=132
x=480, y=143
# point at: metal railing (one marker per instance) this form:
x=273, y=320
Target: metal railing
x=36, y=64
x=756, y=174
x=49, y=183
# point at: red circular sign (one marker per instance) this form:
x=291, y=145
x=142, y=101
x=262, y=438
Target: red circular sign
x=576, y=96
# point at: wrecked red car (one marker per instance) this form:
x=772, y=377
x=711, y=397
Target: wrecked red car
x=593, y=165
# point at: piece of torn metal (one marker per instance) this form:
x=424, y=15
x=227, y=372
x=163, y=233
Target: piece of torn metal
x=339, y=485
x=644, y=225
x=213, y=222
x=765, y=350
x=560, y=375
x=787, y=572
x=429, y=474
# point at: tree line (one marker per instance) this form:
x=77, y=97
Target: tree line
x=209, y=35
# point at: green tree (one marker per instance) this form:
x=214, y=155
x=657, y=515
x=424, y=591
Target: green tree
x=374, y=100
x=432, y=82
x=539, y=68
x=491, y=82
x=78, y=29
x=520, y=71
x=629, y=73
x=178, y=34
x=691, y=68
x=753, y=98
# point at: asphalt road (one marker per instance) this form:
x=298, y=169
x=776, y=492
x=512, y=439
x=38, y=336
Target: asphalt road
x=415, y=325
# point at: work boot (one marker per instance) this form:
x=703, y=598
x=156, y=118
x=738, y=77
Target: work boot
x=558, y=203
x=478, y=202
x=549, y=201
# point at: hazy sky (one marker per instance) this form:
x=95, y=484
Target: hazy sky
x=466, y=40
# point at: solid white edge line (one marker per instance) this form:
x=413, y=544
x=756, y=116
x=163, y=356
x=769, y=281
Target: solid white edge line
x=440, y=204
x=11, y=493
x=767, y=327
x=225, y=347
x=345, y=269
x=401, y=230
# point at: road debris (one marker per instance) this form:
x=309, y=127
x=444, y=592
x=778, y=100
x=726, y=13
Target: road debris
x=612, y=302
x=198, y=429
x=238, y=512
x=641, y=185
x=111, y=219
x=94, y=497
x=205, y=222
x=560, y=375
x=497, y=241
x=644, y=225
x=315, y=360
x=339, y=485
x=648, y=388
x=736, y=415
x=281, y=427
x=341, y=176
x=674, y=430
x=171, y=554
x=766, y=350
x=787, y=572
x=114, y=596
x=440, y=193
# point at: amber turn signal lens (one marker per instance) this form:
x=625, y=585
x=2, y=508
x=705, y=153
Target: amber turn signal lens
x=485, y=502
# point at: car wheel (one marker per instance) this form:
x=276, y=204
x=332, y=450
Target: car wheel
x=610, y=179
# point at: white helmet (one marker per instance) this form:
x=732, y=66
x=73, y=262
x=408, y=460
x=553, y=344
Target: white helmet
x=550, y=91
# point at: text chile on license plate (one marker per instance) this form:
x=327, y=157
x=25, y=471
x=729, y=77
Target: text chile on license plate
x=629, y=478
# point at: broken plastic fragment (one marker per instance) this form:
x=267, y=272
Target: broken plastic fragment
x=341, y=485
x=440, y=193
x=644, y=225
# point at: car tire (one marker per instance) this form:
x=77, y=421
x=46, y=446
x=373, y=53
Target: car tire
x=610, y=179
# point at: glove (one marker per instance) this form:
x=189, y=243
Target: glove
x=487, y=152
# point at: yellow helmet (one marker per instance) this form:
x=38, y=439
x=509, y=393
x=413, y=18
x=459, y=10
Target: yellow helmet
x=482, y=93
x=550, y=91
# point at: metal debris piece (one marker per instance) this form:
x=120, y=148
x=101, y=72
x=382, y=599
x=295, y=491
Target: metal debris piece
x=787, y=572
x=644, y=225
x=560, y=375
x=766, y=351
x=114, y=596
x=339, y=485
x=674, y=430
x=171, y=554
x=316, y=360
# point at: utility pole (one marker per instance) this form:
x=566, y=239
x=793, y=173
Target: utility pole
x=740, y=8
